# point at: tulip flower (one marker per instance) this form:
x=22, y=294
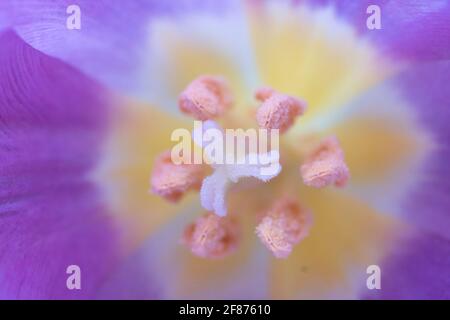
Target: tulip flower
x=86, y=116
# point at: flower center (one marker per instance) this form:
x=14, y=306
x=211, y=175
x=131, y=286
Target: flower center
x=286, y=221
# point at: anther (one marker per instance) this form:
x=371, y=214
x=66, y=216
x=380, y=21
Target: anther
x=205, y=98
x=325, y=165
x=283, y=226
x=172, y=181
x=211, y=236
x=277, y=111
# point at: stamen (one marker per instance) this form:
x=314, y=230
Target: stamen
x=171, y=181
x=325, y=165
x=205, y=98
x=277, y=111
x=283, y=226
x=211, y=236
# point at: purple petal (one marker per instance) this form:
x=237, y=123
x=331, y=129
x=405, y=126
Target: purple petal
x=410, y=29
x=419, y=265
x=51, y=215
x=427, y=89
x=135, y=279
x=112, y=44
x=418, y=268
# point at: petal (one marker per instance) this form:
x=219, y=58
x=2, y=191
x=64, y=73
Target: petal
x=396, y=141
x=383, y=145
x=412, y=30
x=133, y=279
x=426, y=89
x=346, y=237
x=418, y=267
x=121, y=58
x=51, y=213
